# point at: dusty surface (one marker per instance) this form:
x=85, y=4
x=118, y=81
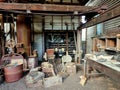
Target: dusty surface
x=70, y=83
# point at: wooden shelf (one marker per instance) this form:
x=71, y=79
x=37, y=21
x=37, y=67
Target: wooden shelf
x=102, y=42
x=118, y=43
x=109, y=43
x=66, y=37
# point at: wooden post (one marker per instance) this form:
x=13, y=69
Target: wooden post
x=3, y=38
x=67, y=45
x=79, y=51
x=23, y=31
x=78, y=46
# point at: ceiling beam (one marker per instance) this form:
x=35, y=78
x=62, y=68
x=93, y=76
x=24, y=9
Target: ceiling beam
x=115, y=12
x=45, y=7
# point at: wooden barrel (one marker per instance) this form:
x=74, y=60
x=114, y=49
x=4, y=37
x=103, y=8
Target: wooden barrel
x=13, y=74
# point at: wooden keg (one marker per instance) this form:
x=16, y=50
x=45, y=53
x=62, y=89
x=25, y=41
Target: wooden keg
x=13, y=73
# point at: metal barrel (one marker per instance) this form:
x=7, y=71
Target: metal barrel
x=13, y=74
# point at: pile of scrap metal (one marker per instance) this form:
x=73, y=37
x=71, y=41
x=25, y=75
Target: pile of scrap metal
x=34, y=78
x=48, y=69
x=44, y=78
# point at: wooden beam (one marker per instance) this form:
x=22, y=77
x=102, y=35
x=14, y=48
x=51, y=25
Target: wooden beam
x=115, y=12
x=45, y=7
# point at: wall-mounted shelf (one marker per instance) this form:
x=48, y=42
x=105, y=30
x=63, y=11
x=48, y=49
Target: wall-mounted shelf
x=102, y=42
x=109, y=43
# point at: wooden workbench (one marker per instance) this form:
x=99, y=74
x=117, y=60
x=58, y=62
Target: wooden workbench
x=108, y=68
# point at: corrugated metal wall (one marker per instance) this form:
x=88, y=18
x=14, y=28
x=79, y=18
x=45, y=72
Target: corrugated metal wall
x=109, y=3
x=48, y=20
x=37, y=23
x=90, y=33
x=58, y=22
x=112, y=24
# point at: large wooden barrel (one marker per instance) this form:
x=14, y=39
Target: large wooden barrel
x=14, y=73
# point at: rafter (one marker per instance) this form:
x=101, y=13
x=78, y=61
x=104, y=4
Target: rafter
x=115, y=12
x=45, y=7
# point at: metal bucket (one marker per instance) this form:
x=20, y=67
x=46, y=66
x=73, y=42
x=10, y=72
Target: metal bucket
x=13, y=74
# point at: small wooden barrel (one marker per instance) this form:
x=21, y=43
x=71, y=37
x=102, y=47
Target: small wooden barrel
x=13, y=74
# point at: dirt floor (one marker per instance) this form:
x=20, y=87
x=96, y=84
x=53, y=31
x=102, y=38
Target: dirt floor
x=70, y=83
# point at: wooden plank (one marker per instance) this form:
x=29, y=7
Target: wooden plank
x=115, y=12
x=45, y=7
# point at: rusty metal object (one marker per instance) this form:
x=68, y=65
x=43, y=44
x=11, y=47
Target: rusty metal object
x=50, y=51
x=13, y=74
x=6, y=59
x=23, y=37
x=47, y=68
